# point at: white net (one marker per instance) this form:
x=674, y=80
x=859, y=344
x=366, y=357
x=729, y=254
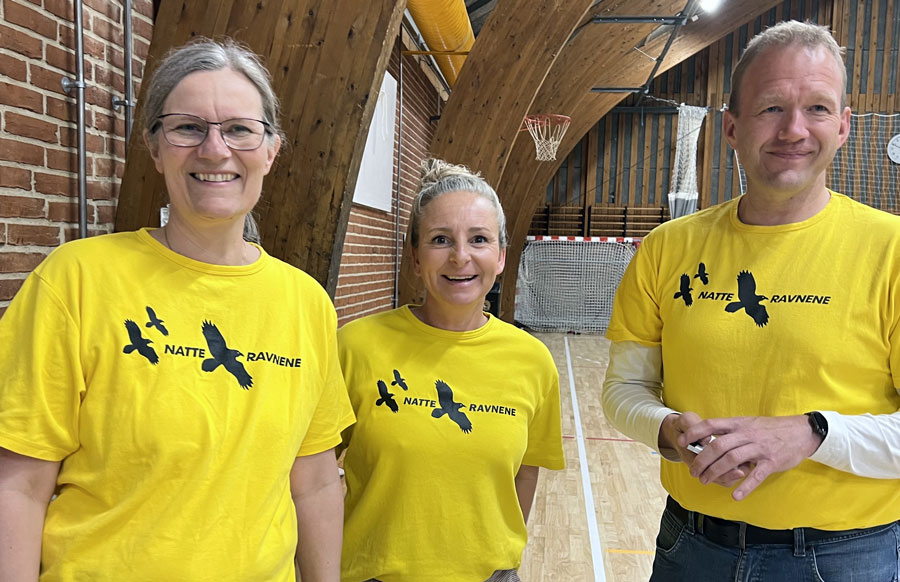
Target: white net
x=547, y=131
x=569, y=285
x=862, y=169
x=683, y=192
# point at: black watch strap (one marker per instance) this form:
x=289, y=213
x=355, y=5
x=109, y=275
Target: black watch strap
x=818, y=423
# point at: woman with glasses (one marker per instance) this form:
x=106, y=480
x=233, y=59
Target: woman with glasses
x=178, y=389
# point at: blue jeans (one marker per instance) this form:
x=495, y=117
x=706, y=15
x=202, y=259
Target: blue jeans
x=683, y=554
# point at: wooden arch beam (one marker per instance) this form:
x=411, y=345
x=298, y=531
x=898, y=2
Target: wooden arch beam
x=504, y=70
x=618, y=66
x=327, y=59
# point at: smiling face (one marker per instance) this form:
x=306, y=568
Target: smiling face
x=458, y=257
x=210, y=183
x=791, y=121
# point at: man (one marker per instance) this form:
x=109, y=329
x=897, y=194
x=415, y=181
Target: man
x=733, y=323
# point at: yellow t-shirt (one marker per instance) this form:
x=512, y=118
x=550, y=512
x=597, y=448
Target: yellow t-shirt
x=770, y=321
x=445, y=420
x=177, y=395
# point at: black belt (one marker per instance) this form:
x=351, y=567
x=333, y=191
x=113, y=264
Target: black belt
x=729, y=533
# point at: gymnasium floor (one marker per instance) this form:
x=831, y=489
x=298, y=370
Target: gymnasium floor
x=609, y=535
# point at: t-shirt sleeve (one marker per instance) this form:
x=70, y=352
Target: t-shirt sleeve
x=545, y=429
x=636, y=315
x=42, y=378
x=333, y=412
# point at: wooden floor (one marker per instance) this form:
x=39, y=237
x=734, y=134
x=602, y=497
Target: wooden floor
x=623, y=476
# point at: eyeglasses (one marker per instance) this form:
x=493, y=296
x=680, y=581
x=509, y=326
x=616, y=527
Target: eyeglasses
x=186, y=131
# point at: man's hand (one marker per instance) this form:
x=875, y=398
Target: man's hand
x=670, y=437
x=759, y=445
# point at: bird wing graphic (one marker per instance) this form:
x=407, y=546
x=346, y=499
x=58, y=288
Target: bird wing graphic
x=399, y=381
x=445, y=395
x=152, y=315
x=746, y=287
x=239, y=372
x=386, y=397
x=759, y=314
x=139, y=343
x=461, y=420
x=134, y=335
x=214, y=340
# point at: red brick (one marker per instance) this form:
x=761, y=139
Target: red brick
x=109, y=9
x=65, y=160
x=24, y=153
x=104, y=123
x=13, y=68
x=62, y=8
x=108, y=78
x=106, y=214
x=98, y=96
x=106, y=30
x=142, y=28
x=30, y=234
x=104, y=167
x=31, y=19
x=55, y=184
x=115, y=146
x=116, y=57
x=15, y=178
x=102, y=190
x=21, y=207
x=20, y=42
x=67, y=110
x=25, y=126
x=94, y=47
x=64, y=212
x=19, y=262
x=22, y=97
x=8, y=288
x=49, y=80
x=72, y=233
x=144, y=7
x=61, y=58
x=67, y=138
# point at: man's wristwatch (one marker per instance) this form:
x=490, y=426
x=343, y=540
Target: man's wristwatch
x=818, y=423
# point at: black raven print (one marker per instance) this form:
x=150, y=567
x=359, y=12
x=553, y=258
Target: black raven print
x=386, y=397
x=399, y=381
x=749, y=300
x=155, y=321
x=702, y=274
x=685, y=292
x=223, y=356
x=450, y=408
x=139, y=343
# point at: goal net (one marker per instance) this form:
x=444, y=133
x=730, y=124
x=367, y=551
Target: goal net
x=862, y=168
x=568, y=283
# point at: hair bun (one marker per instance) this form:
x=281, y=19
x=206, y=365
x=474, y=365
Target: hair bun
x=434, y=170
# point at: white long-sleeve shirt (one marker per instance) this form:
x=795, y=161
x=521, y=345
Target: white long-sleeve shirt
x=866, y=445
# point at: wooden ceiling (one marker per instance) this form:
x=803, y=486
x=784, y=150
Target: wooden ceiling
x=328, y=59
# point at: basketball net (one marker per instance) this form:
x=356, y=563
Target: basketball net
x=547, y=130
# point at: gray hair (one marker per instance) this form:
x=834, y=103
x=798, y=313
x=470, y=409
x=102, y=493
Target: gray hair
x=784, y=34
x=440, y=177
x=204, y=54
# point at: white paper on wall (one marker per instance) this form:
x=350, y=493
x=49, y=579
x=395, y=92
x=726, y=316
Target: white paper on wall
x=374, y=185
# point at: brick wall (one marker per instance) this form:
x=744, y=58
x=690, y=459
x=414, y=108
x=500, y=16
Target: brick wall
x=38, y=140
x=368, y=266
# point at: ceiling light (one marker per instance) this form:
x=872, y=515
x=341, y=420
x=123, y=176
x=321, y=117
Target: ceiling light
x=710, y=6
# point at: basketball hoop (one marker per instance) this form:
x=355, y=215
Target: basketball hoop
x=547, y=130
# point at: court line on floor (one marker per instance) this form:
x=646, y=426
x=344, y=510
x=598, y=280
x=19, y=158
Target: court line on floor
x=596, y=549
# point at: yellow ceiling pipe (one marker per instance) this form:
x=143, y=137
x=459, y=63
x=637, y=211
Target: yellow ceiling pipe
x=445, y=26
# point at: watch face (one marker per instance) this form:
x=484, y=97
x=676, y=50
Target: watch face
x=893, y=149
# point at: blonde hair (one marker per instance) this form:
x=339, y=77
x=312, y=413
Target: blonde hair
x=783, y=35
x=440, y=177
